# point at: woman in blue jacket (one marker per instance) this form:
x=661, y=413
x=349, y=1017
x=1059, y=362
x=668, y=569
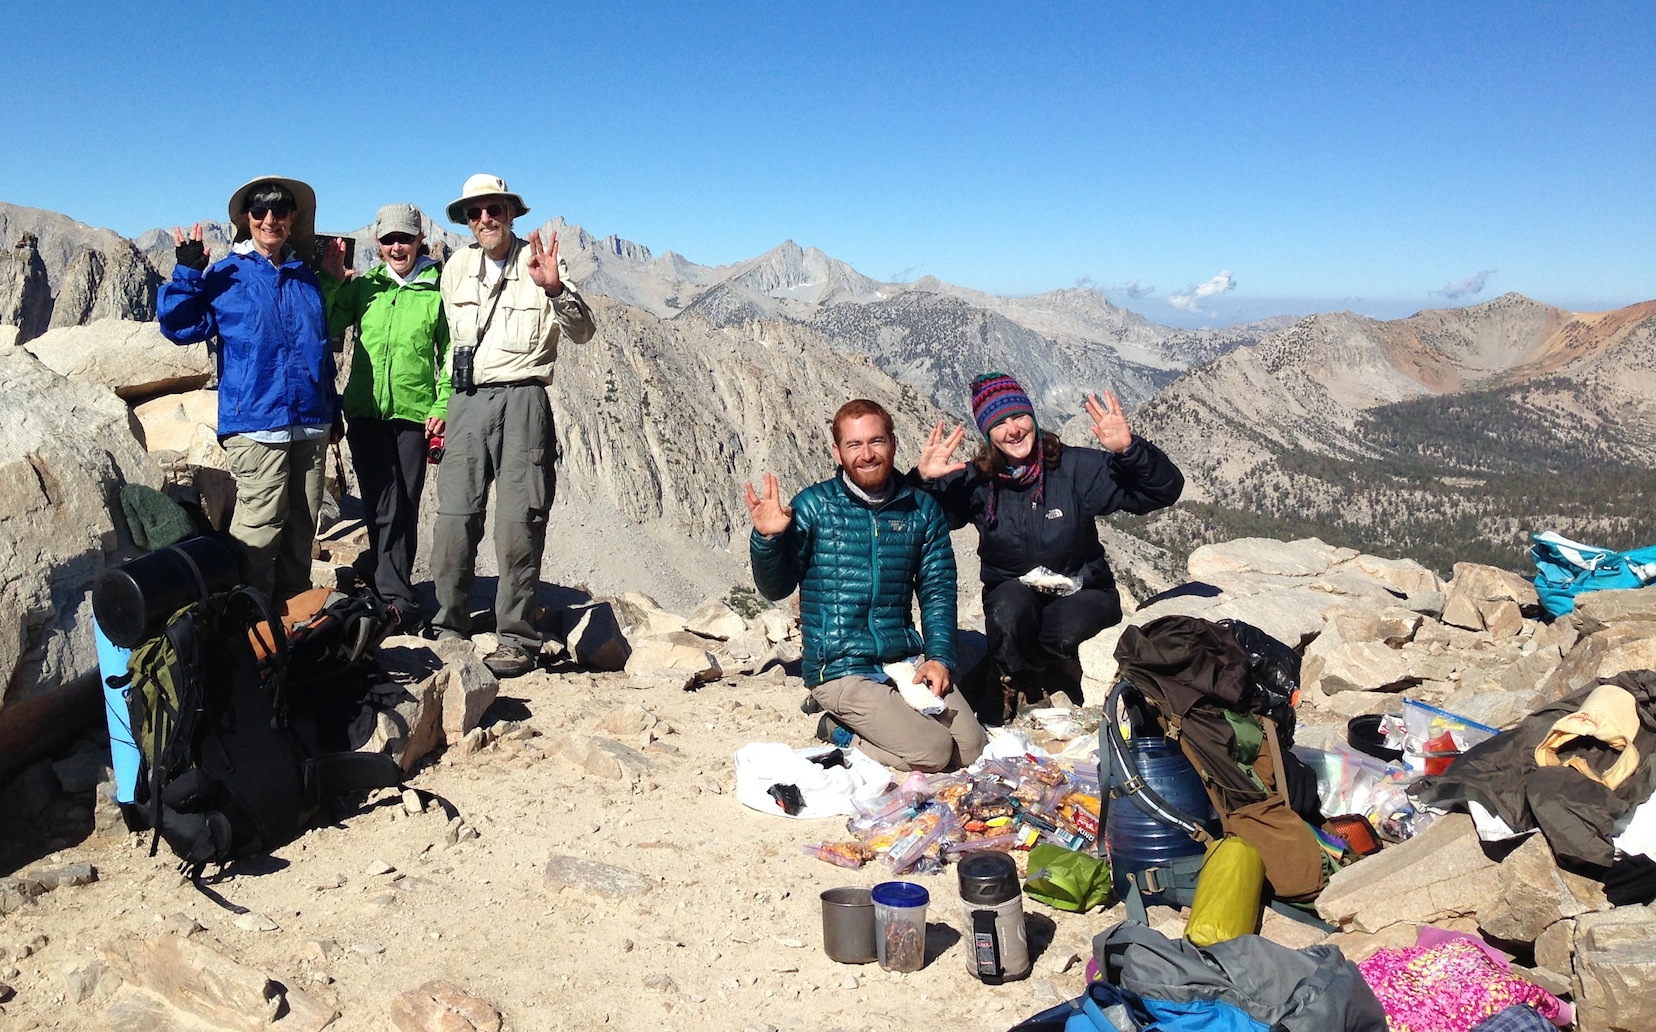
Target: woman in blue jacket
x=277, y=402
x=1047, y=586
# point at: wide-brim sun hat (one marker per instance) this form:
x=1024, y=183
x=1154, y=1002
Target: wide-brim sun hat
x=478, y=187
x=303, y=235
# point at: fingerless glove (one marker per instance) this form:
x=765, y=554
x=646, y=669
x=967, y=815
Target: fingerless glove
x=192, y=254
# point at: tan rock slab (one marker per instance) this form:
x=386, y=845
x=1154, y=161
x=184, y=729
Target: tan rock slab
x=1535, y=894
x=1305, y=558
x=1362, y=666
x=1596, y=610
x=441, y=1007
x=600, y=879
x=661, y=658
x=1501, y=618
x=468, y=689
x=715, y=619
x=599, y=756
x=192, y=978
x=1615, y=969
x=1405, y=575
x=169, y=423
x=594, y=637
x=132, y=359
x=1440, y=873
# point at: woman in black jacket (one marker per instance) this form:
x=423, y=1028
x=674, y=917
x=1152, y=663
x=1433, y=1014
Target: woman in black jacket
x=1047, y=586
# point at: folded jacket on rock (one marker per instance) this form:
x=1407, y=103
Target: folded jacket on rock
x=1610, y=715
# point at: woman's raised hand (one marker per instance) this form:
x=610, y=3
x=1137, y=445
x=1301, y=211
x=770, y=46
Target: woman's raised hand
x=1109, y=423
x=189, y=253
x=935, y=456
x=333, y=259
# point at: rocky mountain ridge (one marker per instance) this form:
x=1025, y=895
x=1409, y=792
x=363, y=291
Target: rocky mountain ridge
x=1468, y=428
x=1066, y=342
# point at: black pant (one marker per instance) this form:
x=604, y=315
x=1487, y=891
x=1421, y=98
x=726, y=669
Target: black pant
x=390, y=460
x=1031, y=630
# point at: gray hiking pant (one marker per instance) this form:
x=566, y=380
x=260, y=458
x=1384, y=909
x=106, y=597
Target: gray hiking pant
x=891, y=731
x=501, y=435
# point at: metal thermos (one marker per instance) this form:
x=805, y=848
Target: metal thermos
x=991, y=905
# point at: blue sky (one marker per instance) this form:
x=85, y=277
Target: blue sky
x=1201, y=163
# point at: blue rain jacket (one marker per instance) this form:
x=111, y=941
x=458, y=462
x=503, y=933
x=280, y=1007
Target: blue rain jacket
x=275, y=361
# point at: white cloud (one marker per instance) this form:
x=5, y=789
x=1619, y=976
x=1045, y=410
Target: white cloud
x=1133, y=289
x=1473, y=284
x=1191, y=299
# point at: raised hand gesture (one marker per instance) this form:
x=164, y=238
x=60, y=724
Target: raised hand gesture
x=1109, y=423
x=333, y=259
x=543, y=265
x=935, y=455
x=189, y=253
x=770, y=516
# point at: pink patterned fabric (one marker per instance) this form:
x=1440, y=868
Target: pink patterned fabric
x=1450, y=987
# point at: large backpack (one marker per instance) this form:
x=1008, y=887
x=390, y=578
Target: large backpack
x=1195, y=680
x=226, y=725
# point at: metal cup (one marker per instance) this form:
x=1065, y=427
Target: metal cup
x=848, y=925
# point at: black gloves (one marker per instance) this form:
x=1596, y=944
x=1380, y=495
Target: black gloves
x=192, y=254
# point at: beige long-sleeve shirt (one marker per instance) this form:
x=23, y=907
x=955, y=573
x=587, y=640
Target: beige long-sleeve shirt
x=513, y=324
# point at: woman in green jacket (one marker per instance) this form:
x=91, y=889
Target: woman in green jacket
x=396, y=399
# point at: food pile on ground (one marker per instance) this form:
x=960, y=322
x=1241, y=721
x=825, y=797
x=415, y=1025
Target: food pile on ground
x=1004, y=804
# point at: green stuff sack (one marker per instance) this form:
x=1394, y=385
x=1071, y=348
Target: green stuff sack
x=1067, y=880
x=1230, y=893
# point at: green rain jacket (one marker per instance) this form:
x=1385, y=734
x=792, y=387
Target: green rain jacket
x=397, y=368
x=858, y=570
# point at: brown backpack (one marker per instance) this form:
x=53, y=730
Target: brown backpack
x=1192, y=674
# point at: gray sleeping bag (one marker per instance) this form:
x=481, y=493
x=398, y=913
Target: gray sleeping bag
x=1315, y=989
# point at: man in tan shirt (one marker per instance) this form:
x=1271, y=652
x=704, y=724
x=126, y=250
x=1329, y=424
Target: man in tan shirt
x=507, y=306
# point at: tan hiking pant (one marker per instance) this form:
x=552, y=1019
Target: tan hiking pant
x=278, y=499
x=891, y=731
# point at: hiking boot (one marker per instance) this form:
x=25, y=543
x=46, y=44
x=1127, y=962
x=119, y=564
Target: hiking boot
x=833, y=732
x=405, y=621
x=1065, y=678
x=810, y=705
x=509, y=661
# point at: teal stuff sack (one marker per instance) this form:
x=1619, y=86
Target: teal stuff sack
x=1565, y=569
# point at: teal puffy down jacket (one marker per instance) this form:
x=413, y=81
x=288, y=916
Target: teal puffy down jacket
x=858, y=569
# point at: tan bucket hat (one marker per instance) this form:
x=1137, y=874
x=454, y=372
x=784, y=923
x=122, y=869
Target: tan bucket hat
x=303, y=236
x=483, y=185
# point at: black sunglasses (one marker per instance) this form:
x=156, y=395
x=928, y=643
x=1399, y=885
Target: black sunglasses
x=396, y=238
x=494, y=211
x=281, y=209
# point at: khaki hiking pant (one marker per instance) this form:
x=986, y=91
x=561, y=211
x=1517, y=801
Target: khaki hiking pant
x=278, y=501
x=501, y=435
x=894, y=733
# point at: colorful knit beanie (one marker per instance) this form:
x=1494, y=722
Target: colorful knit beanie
x=997, y=396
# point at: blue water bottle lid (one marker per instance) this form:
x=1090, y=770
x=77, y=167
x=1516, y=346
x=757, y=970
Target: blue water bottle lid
x=901, y=894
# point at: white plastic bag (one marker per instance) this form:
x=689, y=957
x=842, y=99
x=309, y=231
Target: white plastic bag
x=1049, y=582
x=827, y=791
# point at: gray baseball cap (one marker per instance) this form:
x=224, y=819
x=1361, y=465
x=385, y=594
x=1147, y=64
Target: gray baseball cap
x=397, y=218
